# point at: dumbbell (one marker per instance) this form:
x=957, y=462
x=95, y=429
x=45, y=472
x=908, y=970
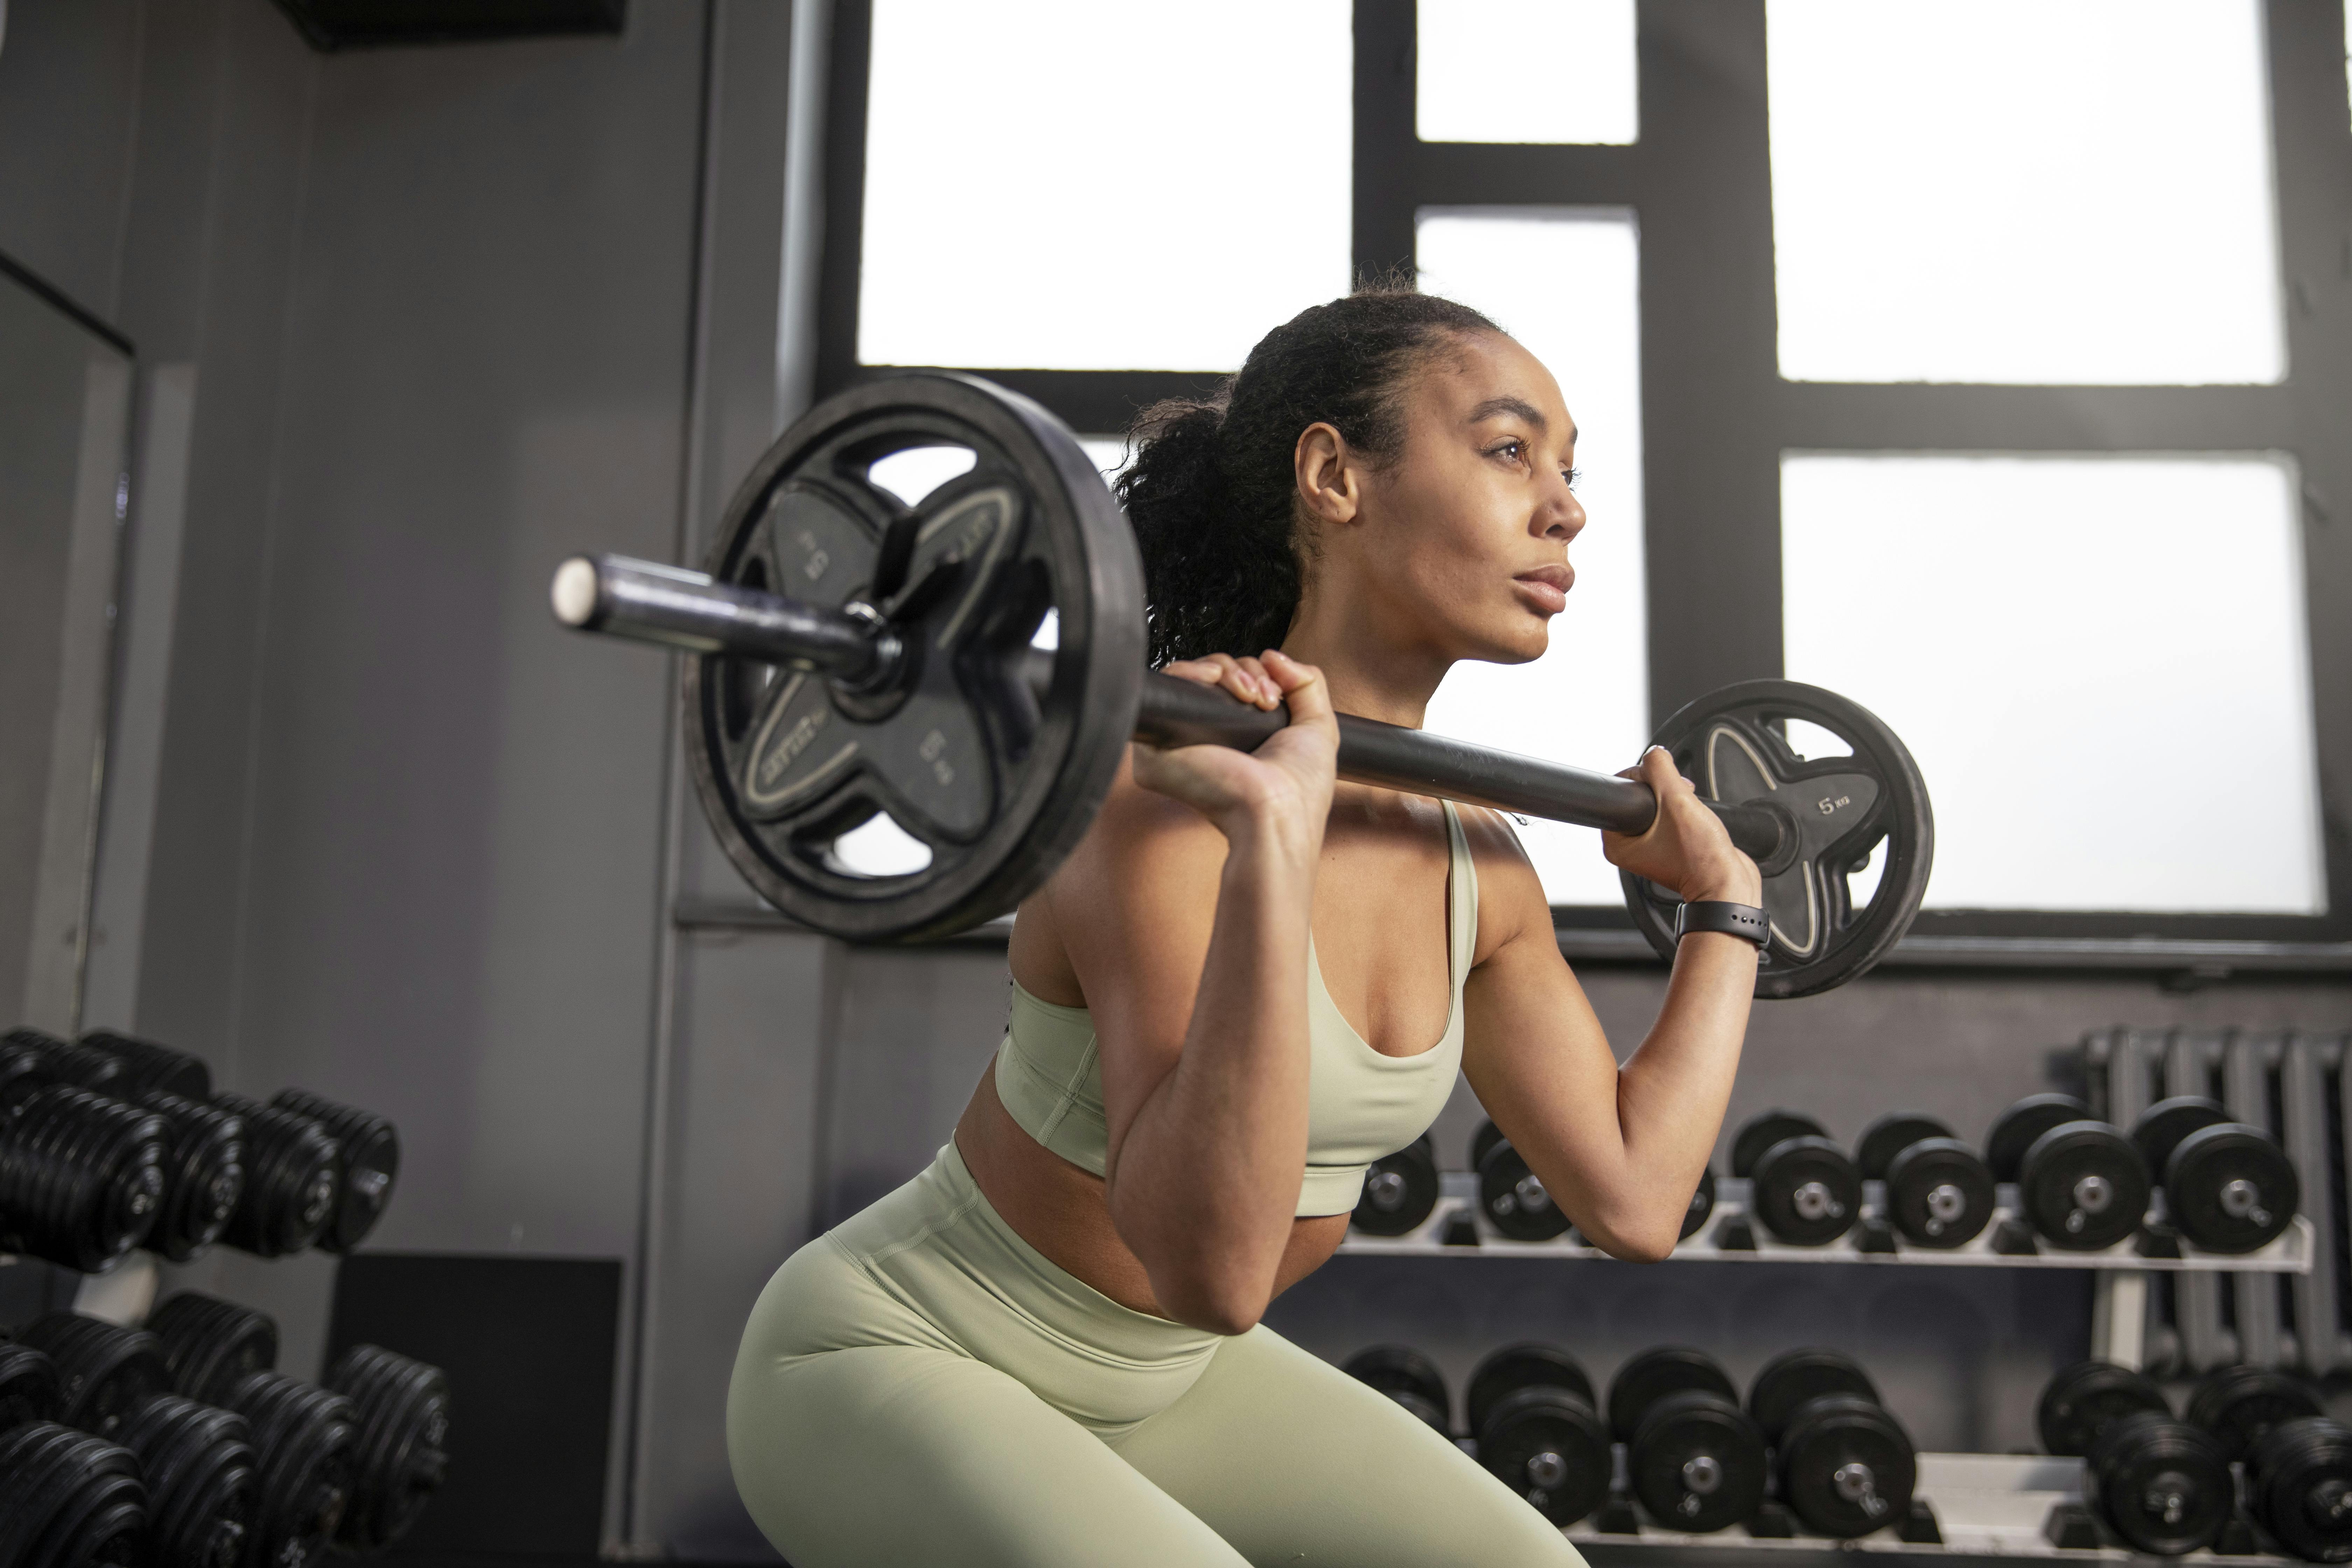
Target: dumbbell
x=147, y=1067
x=1694, y=1459
x=1804, y=1188
x=28, y=1385
x=198, y=1465
x=399, y=1456
x=370, y=1150
x=2081, y=1184
x=2299, y=1488
x=302, y=1438
x=1400, y=1190
x=1512, y=1195
x=2238, y=1404
x=203, y=1173
x=211, y=1345
x=1845, y=1465
x=71, y=1501
x=81, y=1178
x=1938, y=1193
x=104, y=1373
x=1530, y=1407
x=2228, y=1187
x=1407, y=1376
x=2159, y=1483
x=292, y=1180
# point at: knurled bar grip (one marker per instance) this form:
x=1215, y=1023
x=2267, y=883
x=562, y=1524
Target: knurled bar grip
x=679, y=608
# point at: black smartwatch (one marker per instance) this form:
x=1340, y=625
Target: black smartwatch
x=1718, y=914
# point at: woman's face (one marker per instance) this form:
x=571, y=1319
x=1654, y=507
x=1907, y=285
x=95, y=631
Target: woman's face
x=1466, y=535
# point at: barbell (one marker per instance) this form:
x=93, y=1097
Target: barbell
x=973, y=665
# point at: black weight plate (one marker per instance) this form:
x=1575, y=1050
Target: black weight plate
x=2302, y=1488
x=149, y=1067
x=1532, y=1364
x=28, y=1387
x=2083, y=1187
x=1486, y=1137
x=302, y=1439
x=1939, y=1193
x=1400, y=1190
x=999, y=789
x=69, y=1501
x=1697, y=1463
x=1654, y=1374
x=2229, y=1188
x=1730, y=744
x=1702, y=1203
x=2163, y=1484
x=104, y=1371
x=203, y=1173
x=1515, y=1198
x=2014, y=1129
x=1763, y=1129
x=398, y=1456
x=1551, y=1450
x=1807, y=1193
x=211, y=1345
x=2239, y=1404
x=1889, y=1136
x=199, y=1467
x=1847, y=1467
x=371, y=1164
x=1794, y=1379
x=2162, y=1126
x=1407, y=1376
x=2080, y=1399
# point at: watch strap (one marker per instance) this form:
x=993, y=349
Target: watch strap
x=1721, y=915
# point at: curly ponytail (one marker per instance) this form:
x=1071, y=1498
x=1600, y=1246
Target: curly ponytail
x=1211, y=492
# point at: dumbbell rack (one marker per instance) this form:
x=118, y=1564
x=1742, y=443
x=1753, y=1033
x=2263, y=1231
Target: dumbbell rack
x=1458, y=1195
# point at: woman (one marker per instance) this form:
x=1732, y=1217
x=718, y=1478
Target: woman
x=1045, y=1349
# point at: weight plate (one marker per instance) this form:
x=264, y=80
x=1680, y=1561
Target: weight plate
x=28, y=1387
x=2083, y=1186
x=199, y=1467
x=1697, y=1463
x=2163, y=1484
x=1889, y=1136
x=293, y=1180
x=1794, y=1379
x=2229, y=1188
x=1847, y=1467
x=2240, y=1404
x=1407, y=1376
x=1763, y=1129
x=1529, y=1365
x=2014, y=1129
x=1400, y=1190
x=1486, y=1137
x=1702, y=1203
x=1939, y=1193
x=2302, y=1488
x=1551, y=1450
x=104, y=1371
x=1654, y=1374
x=1515, y=1199
x=2162, y=1126
x=997, y=788
x=2085, y=1397
x=398, y=1455
x=370, y=1164
x=149, y=1067
x=302, y=1438
x=1732, y=745
x=1807, y=1193
x=211, y=1345
x=72, y=1501
x=203, y=1173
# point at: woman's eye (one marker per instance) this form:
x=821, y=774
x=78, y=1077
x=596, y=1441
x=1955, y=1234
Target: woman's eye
x=1513, y=450
x=1574, y=476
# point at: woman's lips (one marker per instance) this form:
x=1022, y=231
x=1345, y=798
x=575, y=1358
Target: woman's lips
x=1546, y=588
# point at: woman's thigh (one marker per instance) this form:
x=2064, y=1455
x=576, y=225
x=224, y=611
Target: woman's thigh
x=1288, y=1458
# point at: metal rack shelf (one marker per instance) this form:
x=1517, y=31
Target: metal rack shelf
x=2290, y=1254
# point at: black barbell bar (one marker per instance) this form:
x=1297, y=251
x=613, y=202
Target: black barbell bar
x=685, y=610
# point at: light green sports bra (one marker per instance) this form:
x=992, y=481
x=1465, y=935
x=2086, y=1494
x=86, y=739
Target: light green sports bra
x=1360, y=1104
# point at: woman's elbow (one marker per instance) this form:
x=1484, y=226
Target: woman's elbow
x=1637, y=1238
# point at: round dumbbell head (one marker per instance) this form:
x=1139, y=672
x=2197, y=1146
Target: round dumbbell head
x=1846, y=1466
x=203, y=1173
x=303, y=1434
x=2083, y=1187
x=2239, y=1404
x=104, y=1373
x=21, y=1054
x=199, y=1467
x=1806, y=1192
x=371, y=1164
x=1529, y=1365
x=2230, y=1188
x=1939, y=1193
x=1889, y=1136
x=81, y=1180
x=1407, y=1376
x=399, y=1456
x=2014, y=1130
x=1486, y=1138
x=28, y=1387
x=1548, y=1447
x=2162, y=1126
x=2163, y=1484
x=1763, y=1129
x=72, y=1500
x=1654, y=1374
x=1698, y=1462
x=1400, y=1191
x=1702, y=1203
x=147, y=1068
x=1794, y=1379
x=1515, y=1198
x=2301, y=1487
x=211, y=1345
x=86, y=1066
x=292, y=1180
x=2084, y=1398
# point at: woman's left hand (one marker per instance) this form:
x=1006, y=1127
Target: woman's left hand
x=1687, y=848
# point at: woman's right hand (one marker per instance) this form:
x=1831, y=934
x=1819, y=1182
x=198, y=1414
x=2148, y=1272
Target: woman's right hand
x=1286, y=783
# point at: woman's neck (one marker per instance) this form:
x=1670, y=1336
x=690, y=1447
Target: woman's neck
x=1369, y=676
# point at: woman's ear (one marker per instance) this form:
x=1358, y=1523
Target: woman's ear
x=1329, y=475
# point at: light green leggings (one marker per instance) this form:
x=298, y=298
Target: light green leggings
x=921, y=1387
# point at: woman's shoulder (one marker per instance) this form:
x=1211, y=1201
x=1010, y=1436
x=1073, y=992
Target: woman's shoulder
x=1510, y=895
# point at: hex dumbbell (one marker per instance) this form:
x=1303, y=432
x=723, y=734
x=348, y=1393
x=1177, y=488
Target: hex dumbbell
x=1802, y=1188
x=2161, y=1484
x=1845, y=1466
x=1531, y=1409
x=1694, y=1459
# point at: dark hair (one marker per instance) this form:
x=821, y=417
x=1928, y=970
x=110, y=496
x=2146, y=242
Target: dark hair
x=1212, y=487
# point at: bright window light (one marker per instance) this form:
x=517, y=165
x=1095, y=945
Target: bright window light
x=2011, y=190
x=1059, y=184
x=1548, y=71
x=1566, y=283
x=2100, y=662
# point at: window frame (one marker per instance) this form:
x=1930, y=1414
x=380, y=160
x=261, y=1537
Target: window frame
x=1717, y=416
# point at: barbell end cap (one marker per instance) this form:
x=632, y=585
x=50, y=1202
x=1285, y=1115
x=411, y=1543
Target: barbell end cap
x=577, y=593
